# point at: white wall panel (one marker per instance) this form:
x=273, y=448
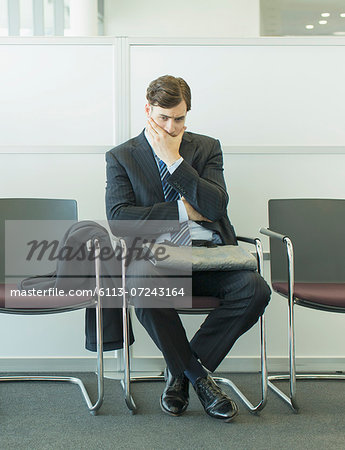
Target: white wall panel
x=252, y=95
x=57, y=95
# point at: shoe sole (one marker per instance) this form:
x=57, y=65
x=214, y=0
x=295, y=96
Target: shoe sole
x=229, y=419
x=169, y=412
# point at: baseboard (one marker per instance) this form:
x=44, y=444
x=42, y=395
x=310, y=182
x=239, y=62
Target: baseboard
x=157, y=364
x=308, y=364
x=252, y=364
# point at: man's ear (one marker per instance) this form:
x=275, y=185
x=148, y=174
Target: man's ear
x=148, y=109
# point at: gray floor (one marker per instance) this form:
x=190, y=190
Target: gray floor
x=54, y=416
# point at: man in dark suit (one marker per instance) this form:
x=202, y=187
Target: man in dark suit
x=167, y=174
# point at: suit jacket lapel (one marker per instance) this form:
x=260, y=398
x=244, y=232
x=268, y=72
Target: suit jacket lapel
x=143, y=154
x=187, y=149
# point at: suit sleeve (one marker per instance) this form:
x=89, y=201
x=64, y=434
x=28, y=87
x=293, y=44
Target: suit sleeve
x=206, y=191
x=121, y=206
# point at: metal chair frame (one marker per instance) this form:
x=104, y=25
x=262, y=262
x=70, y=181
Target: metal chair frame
x=292, y=300
x=128, y=379
x=92, y=407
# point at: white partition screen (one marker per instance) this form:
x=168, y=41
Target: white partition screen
x=57, y=94
x=252, y=95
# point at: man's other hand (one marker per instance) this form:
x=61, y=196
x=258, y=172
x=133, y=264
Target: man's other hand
x=193, y=214
x=166, y=147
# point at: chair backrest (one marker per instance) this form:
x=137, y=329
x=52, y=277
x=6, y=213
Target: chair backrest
x=316, y=228
x=32, y=209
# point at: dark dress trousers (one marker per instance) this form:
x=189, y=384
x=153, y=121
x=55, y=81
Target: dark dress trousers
x=134, y=193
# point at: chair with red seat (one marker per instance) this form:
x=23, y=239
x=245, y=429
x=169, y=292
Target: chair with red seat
x=200, y=305
x=311, y=273
x=44, y=217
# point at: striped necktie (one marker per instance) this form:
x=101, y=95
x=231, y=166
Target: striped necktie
x=181, y=237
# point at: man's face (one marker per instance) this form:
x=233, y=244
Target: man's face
x=171, y=120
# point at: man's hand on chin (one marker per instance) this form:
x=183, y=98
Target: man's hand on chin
x=166, y=147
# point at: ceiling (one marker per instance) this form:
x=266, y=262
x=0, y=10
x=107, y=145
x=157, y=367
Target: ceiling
x=290, y=17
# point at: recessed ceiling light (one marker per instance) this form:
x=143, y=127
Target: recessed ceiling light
x=309, y=27
x=342, y=15
x=322, y=22
x=339, y=33
x=325, y=14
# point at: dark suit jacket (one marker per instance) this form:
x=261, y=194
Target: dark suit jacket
x=134, y=190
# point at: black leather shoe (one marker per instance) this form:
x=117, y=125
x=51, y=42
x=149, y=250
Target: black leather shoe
x=215, y=402
x=174, y=400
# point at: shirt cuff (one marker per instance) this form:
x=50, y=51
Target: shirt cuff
x=182, y=212
x=174, y=166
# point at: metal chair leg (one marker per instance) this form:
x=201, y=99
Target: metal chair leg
x=99, y=330
x=292, y=377
x=264, y=381
x=262, y=402
x=93, y=408
x=291, y=400
x=126, y=382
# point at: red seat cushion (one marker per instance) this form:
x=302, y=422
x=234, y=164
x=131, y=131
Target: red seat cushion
x=11, y=300
x=328, y=294
x=196, y=304
x=205, y=302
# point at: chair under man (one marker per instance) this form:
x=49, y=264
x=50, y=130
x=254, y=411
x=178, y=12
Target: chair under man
x=52, y=211
x=311, y=272
x=201, y=305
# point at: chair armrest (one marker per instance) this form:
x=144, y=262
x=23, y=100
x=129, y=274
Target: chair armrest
x=246, y=239
x=258, y=249
x=121, y=243
x=273, y=234
x=116, y=239
x=290, y=256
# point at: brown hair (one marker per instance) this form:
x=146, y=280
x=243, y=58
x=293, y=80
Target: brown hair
x=168, y=91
